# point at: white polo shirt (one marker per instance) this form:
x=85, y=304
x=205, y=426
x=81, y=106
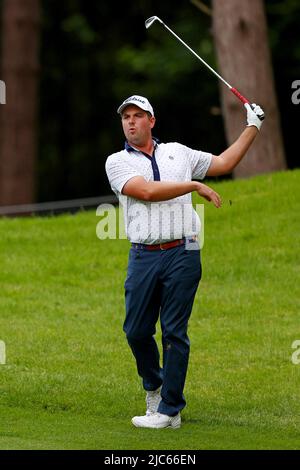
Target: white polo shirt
x=158, y=222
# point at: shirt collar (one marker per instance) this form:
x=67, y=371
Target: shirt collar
x=132, y=149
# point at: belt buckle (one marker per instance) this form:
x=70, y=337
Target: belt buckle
x=161, y=246
x=192, y=239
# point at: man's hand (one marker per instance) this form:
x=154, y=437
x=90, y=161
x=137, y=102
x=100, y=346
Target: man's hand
x=255, y=115
x=209, y=194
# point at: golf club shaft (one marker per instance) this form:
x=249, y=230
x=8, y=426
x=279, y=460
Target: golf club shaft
x=232, y=89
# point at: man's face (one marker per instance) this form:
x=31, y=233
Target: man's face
x=137, y=125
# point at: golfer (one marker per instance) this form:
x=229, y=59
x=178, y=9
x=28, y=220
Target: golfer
x=154, y=182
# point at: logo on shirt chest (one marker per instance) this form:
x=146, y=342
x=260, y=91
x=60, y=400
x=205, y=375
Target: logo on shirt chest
x=171, y=157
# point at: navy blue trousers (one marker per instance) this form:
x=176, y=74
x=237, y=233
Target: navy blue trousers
x=162, y=284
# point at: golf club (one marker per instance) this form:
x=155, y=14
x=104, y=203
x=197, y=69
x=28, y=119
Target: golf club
x=149, y=22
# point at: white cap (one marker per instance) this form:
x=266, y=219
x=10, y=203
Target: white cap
x=139, y=101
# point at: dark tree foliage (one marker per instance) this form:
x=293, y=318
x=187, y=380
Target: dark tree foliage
x=94, y=54
x=284, y=21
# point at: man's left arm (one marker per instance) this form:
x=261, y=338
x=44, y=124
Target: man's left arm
x=229, y=159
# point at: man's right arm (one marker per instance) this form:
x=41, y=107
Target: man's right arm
x=155, y=191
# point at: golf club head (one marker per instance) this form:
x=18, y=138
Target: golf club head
x=149, y=22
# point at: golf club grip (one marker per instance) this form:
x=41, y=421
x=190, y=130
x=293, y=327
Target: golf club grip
x=238, y=94
x=244, y=100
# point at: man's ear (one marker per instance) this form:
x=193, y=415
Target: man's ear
x=152, y=121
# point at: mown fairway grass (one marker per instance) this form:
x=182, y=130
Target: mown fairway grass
x=70, y=380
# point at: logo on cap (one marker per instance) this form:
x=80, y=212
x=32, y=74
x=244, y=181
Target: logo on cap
x=134, y=98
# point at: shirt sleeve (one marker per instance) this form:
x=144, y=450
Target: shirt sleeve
x=118, y=173
x=200, y=162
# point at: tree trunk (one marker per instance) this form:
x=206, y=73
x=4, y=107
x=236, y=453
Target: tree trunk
x=20, y=47
x=240, y=33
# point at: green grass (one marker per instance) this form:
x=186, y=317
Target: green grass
x=70, y=380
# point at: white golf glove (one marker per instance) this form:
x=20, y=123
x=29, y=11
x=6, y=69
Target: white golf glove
x=255, y=115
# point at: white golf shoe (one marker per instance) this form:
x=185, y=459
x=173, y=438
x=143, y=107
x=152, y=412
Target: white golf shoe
x=153, y=399
x=157, y=421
